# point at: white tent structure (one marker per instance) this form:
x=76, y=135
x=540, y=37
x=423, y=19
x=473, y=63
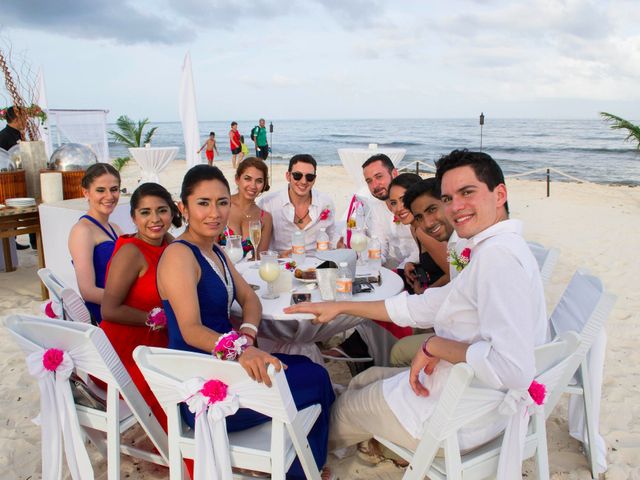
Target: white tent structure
x=41, y=101
x=88, y=127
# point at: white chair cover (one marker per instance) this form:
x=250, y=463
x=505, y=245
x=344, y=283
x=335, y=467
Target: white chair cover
x=212, y=444
x=58, y=415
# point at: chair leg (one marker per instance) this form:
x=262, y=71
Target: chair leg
x=452, y=458
x=592, y=448
x=303, y=450
x=176, y=463
x=422, y=459
x=277, y=450
x=542, y=454
x=113, y=433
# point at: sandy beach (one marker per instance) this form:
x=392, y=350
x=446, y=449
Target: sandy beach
x=593, y=226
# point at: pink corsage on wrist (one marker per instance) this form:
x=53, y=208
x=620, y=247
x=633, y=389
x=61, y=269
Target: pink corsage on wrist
x=230, y=346
x=156, y=319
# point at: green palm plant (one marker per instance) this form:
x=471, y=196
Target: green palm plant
x=130, y=135
x=619, y=123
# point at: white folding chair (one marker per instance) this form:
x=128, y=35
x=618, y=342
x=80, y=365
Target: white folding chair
x=464, y=401
x=546, y=258
x=264, y=448
x=585, y=307
x=92, y=354
x=73, y=307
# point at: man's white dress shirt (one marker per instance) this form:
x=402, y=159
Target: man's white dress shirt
x=496, y=304
x=282, y=211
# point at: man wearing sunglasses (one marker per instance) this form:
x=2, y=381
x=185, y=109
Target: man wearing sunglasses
x=299, y=207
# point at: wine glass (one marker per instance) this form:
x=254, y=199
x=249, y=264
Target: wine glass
x=359, y=243
x=269, y=272
x=255, y=233
x=234, y=248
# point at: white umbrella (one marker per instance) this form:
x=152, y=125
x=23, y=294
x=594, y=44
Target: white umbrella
x=189, y=114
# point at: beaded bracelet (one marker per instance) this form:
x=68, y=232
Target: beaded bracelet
x=229, y=346
x=250, y=326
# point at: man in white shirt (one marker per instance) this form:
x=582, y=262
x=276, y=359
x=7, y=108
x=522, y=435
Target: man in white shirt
x=299, y=207
x=490, y=316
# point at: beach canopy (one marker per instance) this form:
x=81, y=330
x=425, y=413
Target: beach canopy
x=189, y=114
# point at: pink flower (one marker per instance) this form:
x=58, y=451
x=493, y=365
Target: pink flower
x=52, y=359
x=215, y=390
x=325, y=214
x=226, y=348
x=291, y=266
x=396, y=220
x=465, y=255
x=157, y=319
x=538, y=392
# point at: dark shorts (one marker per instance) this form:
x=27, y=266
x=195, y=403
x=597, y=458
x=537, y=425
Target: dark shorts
x=236, y=151
x=262, y=152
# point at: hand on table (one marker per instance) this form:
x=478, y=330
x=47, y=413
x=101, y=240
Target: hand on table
x=255, y=362
x=324, y=311
x=421, y=362
x=285, y=253
x=341, y=243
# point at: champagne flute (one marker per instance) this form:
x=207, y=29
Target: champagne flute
x=269, y=272
x=234, y=248
x=255, y=233
x=359, y=243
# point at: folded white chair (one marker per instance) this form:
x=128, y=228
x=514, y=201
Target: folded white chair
x=546, y=258
x=465, y=401
x=585, y=307
x=178, y=376
x=87, y=351
x=73, y=306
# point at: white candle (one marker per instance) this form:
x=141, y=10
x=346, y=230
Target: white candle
x=51, y=187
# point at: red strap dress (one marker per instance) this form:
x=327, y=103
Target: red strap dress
x=143, y=295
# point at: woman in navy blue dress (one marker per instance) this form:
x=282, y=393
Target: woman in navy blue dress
x=197, y=285
x=93, y=238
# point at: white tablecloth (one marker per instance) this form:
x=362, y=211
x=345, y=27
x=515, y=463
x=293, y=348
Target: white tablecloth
x=296, y=334
x=353, y=158
x=152, y=161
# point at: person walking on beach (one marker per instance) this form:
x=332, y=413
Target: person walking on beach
x=259, y=137
x=235, y=144
x=491, y=316
x=210, y=144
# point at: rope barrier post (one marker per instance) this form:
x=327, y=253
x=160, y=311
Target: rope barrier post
x=548, y=183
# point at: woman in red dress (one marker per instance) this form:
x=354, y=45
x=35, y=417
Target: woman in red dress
x=130, y=292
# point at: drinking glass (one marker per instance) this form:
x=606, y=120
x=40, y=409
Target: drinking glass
x=269, y=272
x=255, y=233
x=234, y=248
x=359, y=243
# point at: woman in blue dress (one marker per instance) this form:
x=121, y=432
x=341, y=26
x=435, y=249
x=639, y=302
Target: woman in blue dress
x=197, y=284
x=93, y=238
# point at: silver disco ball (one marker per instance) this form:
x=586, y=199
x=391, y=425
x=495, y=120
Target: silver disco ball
x=72, y=156
x=6, y=164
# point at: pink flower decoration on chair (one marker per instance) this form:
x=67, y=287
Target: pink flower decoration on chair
x=324, y=214
x=214, y=390
x=52, y=359
x=538, y=392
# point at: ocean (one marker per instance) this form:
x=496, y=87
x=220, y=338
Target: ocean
x=585, y=149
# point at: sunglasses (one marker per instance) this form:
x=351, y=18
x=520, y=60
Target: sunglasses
x=297, y=176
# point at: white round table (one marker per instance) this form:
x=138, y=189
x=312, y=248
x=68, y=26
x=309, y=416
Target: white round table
x=152, y=161
x=295, y=333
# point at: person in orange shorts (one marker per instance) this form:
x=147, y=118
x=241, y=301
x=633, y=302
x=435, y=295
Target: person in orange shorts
x=211, y=146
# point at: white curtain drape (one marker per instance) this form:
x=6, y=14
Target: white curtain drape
x=189, y=114
x=88, y=127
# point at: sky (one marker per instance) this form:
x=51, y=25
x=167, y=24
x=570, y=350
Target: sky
x=332, y=59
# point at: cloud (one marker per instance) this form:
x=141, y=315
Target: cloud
x=113, y=20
